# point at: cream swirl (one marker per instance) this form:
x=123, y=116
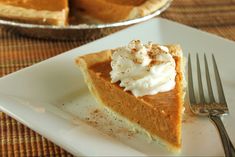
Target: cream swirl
x=143, y=69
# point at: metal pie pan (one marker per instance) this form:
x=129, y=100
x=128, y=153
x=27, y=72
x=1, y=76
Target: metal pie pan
x=74, y=32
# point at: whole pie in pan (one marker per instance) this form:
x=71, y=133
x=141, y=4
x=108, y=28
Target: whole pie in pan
x=56, y=12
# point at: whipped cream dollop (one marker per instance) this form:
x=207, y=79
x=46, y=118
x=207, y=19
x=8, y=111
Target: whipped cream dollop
x=143, y=69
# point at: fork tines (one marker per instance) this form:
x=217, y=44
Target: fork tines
x=210, y=106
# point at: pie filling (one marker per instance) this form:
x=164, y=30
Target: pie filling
x=49, y=5
x=159, y=114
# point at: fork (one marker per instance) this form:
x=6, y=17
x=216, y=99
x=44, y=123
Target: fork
x=212, y=108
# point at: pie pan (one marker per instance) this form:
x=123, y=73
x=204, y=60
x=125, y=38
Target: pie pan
x=83, y=31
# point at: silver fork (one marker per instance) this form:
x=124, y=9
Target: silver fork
x=212, y=109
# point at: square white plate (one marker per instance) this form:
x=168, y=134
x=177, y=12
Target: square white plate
x=51, y=97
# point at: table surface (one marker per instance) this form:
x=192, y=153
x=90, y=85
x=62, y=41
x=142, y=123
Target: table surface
x=17, y=52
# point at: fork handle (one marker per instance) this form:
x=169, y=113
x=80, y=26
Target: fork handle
x=227, y=144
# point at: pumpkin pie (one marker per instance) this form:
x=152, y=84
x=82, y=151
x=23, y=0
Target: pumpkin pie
x=55, y=12
x=116, y=10
x=159, y=115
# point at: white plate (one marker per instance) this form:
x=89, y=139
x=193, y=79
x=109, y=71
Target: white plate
x=52, y=99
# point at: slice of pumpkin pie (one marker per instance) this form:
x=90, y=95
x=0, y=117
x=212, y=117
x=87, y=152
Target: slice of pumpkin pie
x=143, y=84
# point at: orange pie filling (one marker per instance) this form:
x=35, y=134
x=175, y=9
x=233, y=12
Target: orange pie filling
x=160, y=114
x=49, y=5
x=53, y=12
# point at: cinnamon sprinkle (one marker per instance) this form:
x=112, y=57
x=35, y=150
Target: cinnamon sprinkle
x=133, y=51
x=137, y=61
x=155, y=62
x=153, y=53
